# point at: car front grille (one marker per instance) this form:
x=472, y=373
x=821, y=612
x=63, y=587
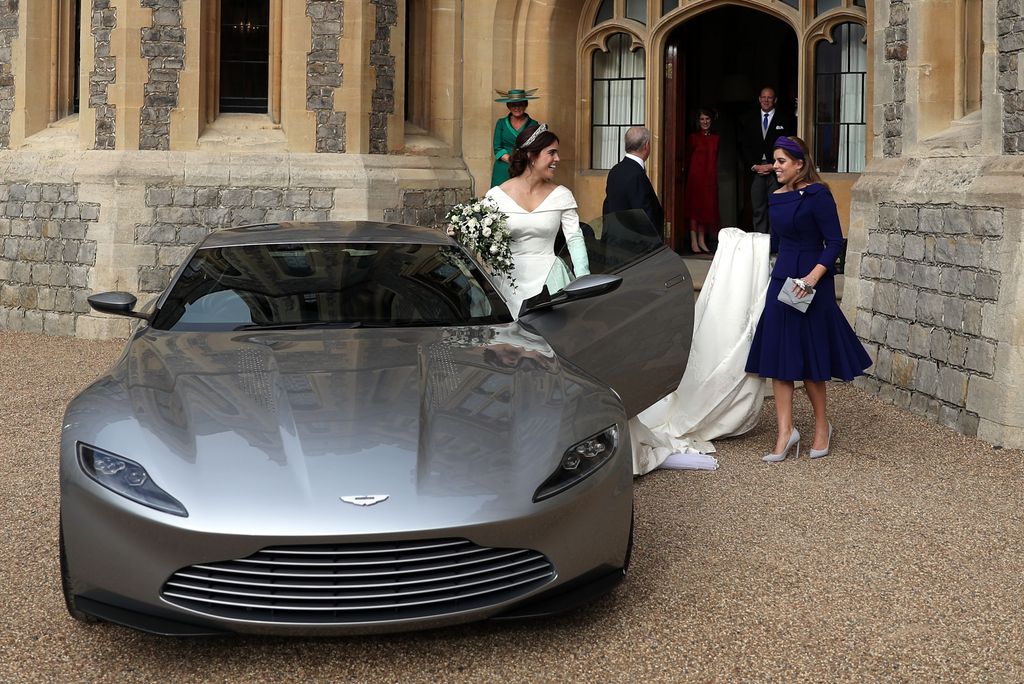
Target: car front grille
x=351, y=583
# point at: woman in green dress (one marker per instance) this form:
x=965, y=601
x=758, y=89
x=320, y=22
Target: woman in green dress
x=508, y=127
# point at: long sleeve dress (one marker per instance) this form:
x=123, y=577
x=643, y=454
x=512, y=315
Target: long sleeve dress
x=533, y=245
x=700, y=200
x=504, y=141
x=818, y=344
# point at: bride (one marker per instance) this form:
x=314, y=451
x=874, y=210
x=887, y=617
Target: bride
x=536, y=208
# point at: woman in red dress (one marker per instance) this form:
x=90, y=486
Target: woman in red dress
x=701, y=197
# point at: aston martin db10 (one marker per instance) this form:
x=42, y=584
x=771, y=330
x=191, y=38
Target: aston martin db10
x=340, y=428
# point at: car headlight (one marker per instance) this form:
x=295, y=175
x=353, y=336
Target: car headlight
x=579, y=462
x=127, y=478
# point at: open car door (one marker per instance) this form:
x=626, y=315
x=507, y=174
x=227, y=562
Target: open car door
x=637, y=337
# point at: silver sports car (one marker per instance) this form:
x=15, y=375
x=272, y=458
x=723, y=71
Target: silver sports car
x=340, y=428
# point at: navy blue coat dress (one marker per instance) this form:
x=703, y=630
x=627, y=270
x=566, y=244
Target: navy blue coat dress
x=818, y=344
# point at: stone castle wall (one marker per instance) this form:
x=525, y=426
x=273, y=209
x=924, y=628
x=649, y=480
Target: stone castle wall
x=61, y=240
x=929, y=282
x=8, y=34
x=46, y=256
x=103, y=20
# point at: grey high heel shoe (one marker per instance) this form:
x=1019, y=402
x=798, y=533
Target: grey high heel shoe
x=794, y=439
x=818, y=453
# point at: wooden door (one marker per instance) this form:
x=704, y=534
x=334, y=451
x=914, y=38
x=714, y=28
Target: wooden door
x=675, y=143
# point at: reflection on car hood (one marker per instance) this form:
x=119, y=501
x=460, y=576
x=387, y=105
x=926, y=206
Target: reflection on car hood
x=278, y=422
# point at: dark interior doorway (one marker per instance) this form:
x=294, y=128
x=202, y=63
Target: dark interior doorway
x=245, y=56
x=724, y=75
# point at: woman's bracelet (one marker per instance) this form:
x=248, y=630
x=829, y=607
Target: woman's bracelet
x=802, y=284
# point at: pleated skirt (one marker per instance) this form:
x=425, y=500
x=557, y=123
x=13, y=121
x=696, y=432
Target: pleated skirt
x=818, y=344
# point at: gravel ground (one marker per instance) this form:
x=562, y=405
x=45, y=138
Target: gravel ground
x=900, y=557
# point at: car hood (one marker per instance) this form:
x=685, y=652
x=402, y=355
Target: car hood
x=251, y=430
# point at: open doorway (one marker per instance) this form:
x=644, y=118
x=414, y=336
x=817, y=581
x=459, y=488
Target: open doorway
x=704, y=71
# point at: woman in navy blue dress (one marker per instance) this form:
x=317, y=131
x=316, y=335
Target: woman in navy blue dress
x=816, y=345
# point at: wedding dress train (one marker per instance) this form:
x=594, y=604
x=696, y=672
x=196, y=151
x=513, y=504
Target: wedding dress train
x=716, y=397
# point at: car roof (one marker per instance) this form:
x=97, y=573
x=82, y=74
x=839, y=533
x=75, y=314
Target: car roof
x=324, y=231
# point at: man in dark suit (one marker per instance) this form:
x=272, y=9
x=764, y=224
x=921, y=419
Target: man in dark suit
x=757, y=140
x=628, y=186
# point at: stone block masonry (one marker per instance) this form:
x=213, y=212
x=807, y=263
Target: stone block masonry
x=1010, y=29
x=163, y=45
x=183, y=215
x=8, y=34
x=324, y=72
x=46, y=257
x=426, y=207
x=104, y=20
x=895, y=57
x=927, y=289
x=383, y=62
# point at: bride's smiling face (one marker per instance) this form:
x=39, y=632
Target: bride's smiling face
x=546, y=161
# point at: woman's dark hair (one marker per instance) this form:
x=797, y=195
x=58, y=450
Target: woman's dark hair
x=703, y=111
x=520, y=158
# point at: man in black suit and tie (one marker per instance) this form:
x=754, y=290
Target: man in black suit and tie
x=628, y=186
x=757, y=141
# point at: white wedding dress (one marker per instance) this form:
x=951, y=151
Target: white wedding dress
x=533, y=245
x=716, y=397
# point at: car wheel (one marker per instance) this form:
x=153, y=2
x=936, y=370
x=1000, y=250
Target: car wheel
x=65, y=585
x=629, y=545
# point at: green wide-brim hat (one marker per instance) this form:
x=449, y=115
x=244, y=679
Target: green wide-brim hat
x=516, y=95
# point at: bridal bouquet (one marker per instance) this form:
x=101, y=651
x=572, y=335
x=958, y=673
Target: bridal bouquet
x=480, y=227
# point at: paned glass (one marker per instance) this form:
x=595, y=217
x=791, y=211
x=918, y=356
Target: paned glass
x=605, y=12
x=822, y=6
x=637, y=10
x=840, y=127
x=617, y=100
x=244, y=56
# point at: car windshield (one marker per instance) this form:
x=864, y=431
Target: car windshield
x=345, y=285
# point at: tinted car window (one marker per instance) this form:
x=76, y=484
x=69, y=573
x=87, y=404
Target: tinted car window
x=616, y=240
x=330, y=284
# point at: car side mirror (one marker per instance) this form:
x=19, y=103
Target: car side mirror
x=117, y=303
x=584, y=287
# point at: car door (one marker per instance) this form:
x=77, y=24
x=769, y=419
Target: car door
x=637, y=337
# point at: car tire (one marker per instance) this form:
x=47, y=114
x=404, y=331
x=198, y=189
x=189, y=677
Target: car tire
x=65, y=585
x=629, y=545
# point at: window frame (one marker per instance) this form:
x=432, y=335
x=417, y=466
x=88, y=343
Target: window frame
x=633, y=46
x=210, y=76
x=814, y=77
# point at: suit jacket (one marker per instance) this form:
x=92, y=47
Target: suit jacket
x=753, y=145
x=628, y=187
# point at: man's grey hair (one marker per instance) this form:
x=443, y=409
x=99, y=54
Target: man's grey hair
x=636, y=138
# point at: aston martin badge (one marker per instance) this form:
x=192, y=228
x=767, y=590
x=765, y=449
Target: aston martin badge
x=365, y=500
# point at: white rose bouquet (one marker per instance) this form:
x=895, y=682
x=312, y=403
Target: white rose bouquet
x=480, y=227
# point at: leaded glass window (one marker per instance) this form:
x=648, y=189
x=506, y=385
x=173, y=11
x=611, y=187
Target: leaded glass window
x=840, y=127
x=605, y=12
x=637, y=10
x=822, y=6
x=618, y=97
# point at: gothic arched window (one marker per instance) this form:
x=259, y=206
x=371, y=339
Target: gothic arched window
x=618, y=97
x=840, y=126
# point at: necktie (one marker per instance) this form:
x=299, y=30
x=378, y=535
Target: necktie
x=764, y=126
